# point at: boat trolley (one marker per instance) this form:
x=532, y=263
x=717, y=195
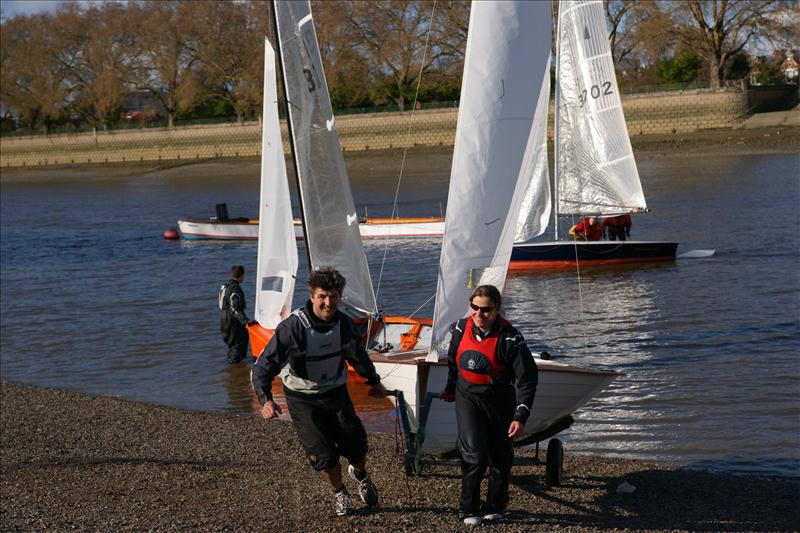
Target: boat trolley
x=414, y=435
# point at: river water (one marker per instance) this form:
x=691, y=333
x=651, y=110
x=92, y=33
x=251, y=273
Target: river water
x=94, y=300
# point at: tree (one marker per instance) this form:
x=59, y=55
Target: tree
x=347, y=71
x=622, y=27
x=165, y=54
x=391, y=37
x=94, y=44
x=682, y=68
x=718, y=29
x=32, y=83
x=232, y=68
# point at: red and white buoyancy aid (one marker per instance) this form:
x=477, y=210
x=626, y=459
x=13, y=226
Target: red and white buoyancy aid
x=477, y=360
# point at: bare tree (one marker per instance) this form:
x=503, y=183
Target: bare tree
x=166, y=61
x=32, y=83
x=392, y=35
x=451, y=26
x=94, y=46
x=229, y=49
x=347, y=70
x=718, y=29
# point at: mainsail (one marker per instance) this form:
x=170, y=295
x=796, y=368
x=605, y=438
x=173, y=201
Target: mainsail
x=508, y=48
x=277, y=251
x=329, y=214
x=595, y=168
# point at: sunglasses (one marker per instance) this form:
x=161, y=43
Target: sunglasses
x=484, y=310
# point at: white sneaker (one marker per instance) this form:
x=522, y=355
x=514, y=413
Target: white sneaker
x=344, y=505
x=472, y=520
x=366, y=488
x=493, y=517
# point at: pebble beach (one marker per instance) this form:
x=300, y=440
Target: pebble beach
x=97, y=463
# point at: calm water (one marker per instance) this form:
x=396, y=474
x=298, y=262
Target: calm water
x=94, y=300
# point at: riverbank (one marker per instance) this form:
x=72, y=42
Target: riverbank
x=97, y=463
x=422, y=160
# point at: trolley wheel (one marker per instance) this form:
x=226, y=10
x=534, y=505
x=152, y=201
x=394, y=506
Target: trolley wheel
x=554, y=464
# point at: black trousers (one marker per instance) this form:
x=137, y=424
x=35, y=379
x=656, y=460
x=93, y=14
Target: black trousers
x=235, y=336
x=328, y=427
x=483, y=443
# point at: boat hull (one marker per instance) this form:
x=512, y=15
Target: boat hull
x=565, y=253
x=562, y=389
x=371, y=229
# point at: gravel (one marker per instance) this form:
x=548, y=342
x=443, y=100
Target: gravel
x=78, y=462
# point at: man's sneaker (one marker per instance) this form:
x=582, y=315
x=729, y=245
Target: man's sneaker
x=366, y=488
x=344, y=505
x=493, y=517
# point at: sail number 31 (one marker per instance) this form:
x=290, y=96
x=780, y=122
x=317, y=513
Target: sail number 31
x=595, y=92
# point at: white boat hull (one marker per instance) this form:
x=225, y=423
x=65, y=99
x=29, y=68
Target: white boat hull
x=561, y=391
x=244, y=230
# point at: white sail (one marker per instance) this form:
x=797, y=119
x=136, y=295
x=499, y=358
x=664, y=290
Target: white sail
x=507, y=50
x=595, y=168
x=277, y=251
x=534, y=213
x=329, y=214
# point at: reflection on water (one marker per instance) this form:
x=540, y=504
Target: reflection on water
x=94, y=300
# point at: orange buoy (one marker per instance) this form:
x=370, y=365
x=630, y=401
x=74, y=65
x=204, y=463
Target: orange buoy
x=171, y=234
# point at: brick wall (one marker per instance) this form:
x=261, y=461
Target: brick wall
x=679, y=112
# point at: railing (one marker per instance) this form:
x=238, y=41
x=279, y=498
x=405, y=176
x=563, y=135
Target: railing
x=394, y=108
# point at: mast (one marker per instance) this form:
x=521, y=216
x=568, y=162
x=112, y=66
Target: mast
x=279, y=57
x=556, y=113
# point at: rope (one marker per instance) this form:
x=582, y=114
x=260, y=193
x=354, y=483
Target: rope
x=580, y=289
x=405, y=150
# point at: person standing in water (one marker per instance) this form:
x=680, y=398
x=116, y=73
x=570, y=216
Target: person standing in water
x=233, y=320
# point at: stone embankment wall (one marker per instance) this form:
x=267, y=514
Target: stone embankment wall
x=677, y=112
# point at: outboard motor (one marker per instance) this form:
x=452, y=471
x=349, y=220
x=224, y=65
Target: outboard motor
x=222, y=212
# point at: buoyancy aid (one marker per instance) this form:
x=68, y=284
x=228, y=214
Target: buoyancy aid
x=477, y=360
x=322, y=366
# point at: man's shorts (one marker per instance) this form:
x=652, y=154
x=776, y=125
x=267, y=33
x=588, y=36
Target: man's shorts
x=328, y=427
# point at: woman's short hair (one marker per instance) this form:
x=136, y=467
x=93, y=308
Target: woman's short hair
x=489, y=291
x=327, y=279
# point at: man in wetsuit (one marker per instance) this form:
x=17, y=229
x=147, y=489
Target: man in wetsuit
x=310, y=351
x=233, y=320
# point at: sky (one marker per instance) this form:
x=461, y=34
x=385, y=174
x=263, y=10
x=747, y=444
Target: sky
x=9, y=8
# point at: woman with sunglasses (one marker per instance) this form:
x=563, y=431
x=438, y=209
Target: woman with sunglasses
x=492, y=378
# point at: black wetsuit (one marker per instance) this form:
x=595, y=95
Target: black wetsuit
x=322, y=411
x=233, y=320
x=484, y=414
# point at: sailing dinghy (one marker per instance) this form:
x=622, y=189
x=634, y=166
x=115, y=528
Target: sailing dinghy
x=370, y=228
x=595, y=170
x=504, y=89
x=332, y=236
x=506, y=68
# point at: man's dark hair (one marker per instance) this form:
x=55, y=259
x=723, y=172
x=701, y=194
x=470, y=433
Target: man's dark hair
x=237, y=271
x=489, y=291
x=327, y=279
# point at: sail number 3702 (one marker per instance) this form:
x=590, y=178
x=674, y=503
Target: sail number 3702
x=595, y=91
